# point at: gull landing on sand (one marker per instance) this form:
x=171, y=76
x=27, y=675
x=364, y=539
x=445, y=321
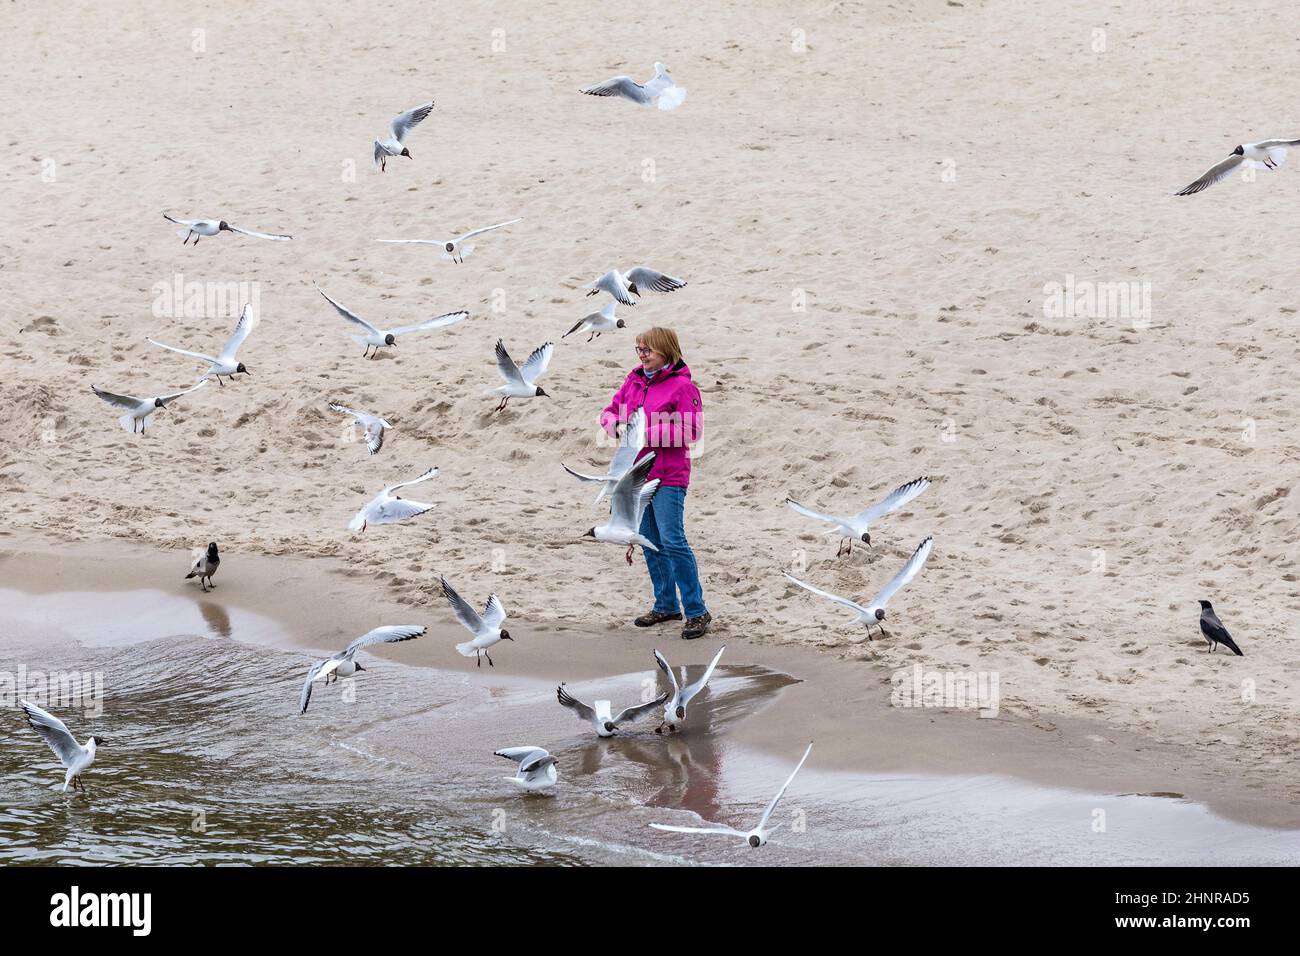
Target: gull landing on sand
x=139, y=410
x=629, y=447
x=521, y=381
x=660, y=91
x=394, y=143
x=856, y=526
x=485, y=627
x=536, y=767
x=205, y=565
x=343, y=663
x=454, y=250
x=873, y=614
x=599, y=715
x=198, y=228
x=683, y=694
x=623, y=285
x=627, y=503
x=1268, y=154
x=376, y=338
x=76, y=758
x=757, y=836
x=597, y=322
x=227, y=363
x=386, y=507
x=373, y=425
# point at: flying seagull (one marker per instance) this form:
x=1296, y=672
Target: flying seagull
x=599, y=714
x=76, y=758
x=874, y=613
x=623, y=285
x=485, y=627
x=856, y=526
x=521, y=381
x=343, y=664
x=392, y=145
x=227, y=363
x=373, y=424
x=757, y=836
x=660, y=91
x=1269, y=154
x=675, y=707
x=139, y=410
x=1214, y=631
x=386, y=507
x=597, y=322
x=455, y=249
x=210, y=227
x=377, y=338
x=627, y=503
x=536, y=767
x=629, y=447
x=205, y=565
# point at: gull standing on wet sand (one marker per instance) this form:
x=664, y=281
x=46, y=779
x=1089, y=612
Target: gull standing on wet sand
x=205, y=565
x=343, y=663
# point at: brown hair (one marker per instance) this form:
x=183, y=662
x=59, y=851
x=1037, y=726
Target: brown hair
x=664, y=341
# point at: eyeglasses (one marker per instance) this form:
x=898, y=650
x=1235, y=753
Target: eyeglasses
x=644, y=350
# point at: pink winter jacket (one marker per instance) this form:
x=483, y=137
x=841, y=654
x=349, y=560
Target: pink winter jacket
x=674, y=418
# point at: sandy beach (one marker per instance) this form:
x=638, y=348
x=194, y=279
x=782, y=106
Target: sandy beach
x=903, y=227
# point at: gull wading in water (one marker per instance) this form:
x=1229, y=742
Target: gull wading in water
x=210, y=227
x=394, y=143
x=76, y=758
x=683, y=694
x=660, y=91
x=373, y=425
x=227, y=363
x=627, y=503
x=856, y=526
x=377, y=338
x=536, y=767
x=386, y=507
x=629, y=446
x=757, y=836
x=599, y=715
x=485, y=627
x=343, y=664
x=205, y=565
x=623, y=285
x=139, y=410
x=455, y=249
x=1268, y=154
x=521, y=381
x=597, y=322
x=873, y=614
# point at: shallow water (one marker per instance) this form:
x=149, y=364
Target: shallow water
x=208, y=761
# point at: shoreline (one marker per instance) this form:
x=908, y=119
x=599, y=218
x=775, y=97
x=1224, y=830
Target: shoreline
x=843, y=704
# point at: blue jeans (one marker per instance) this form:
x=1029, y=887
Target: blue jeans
x=672, y=567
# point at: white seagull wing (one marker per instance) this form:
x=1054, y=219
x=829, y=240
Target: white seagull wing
x=910, y=570
x=566, y=699
x=463, y=610
x=809, y=513
x=643, y=277
x=697, y=685
x=478, y=232
x=305, y=697
x=431, y=473
x=194, y=355
x=1216, y=173
x=55, y=733
x=828, y=595
x=258, y=235
x=121, y=401
x=630, y=445
x=535, y=365
x=389, y=634
x=439, y=322
x=620, y=86
x=663, y=666
x=350, y=316
x=405, y=122
x=637, y=711
x=494, y=612
x=781, y=793
x=522, y=755
x=894, y=500
x=728, y=831
x=171, y=397
x=612, y=283
x=506, y=366
x=248, y=320
x=624, y=500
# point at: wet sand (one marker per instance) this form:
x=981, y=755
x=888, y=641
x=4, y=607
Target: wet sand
x=872, y=762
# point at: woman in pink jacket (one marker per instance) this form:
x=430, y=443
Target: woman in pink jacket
x=673, y=420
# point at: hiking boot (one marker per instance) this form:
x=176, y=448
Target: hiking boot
x=656, y=617
x=696, y=627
